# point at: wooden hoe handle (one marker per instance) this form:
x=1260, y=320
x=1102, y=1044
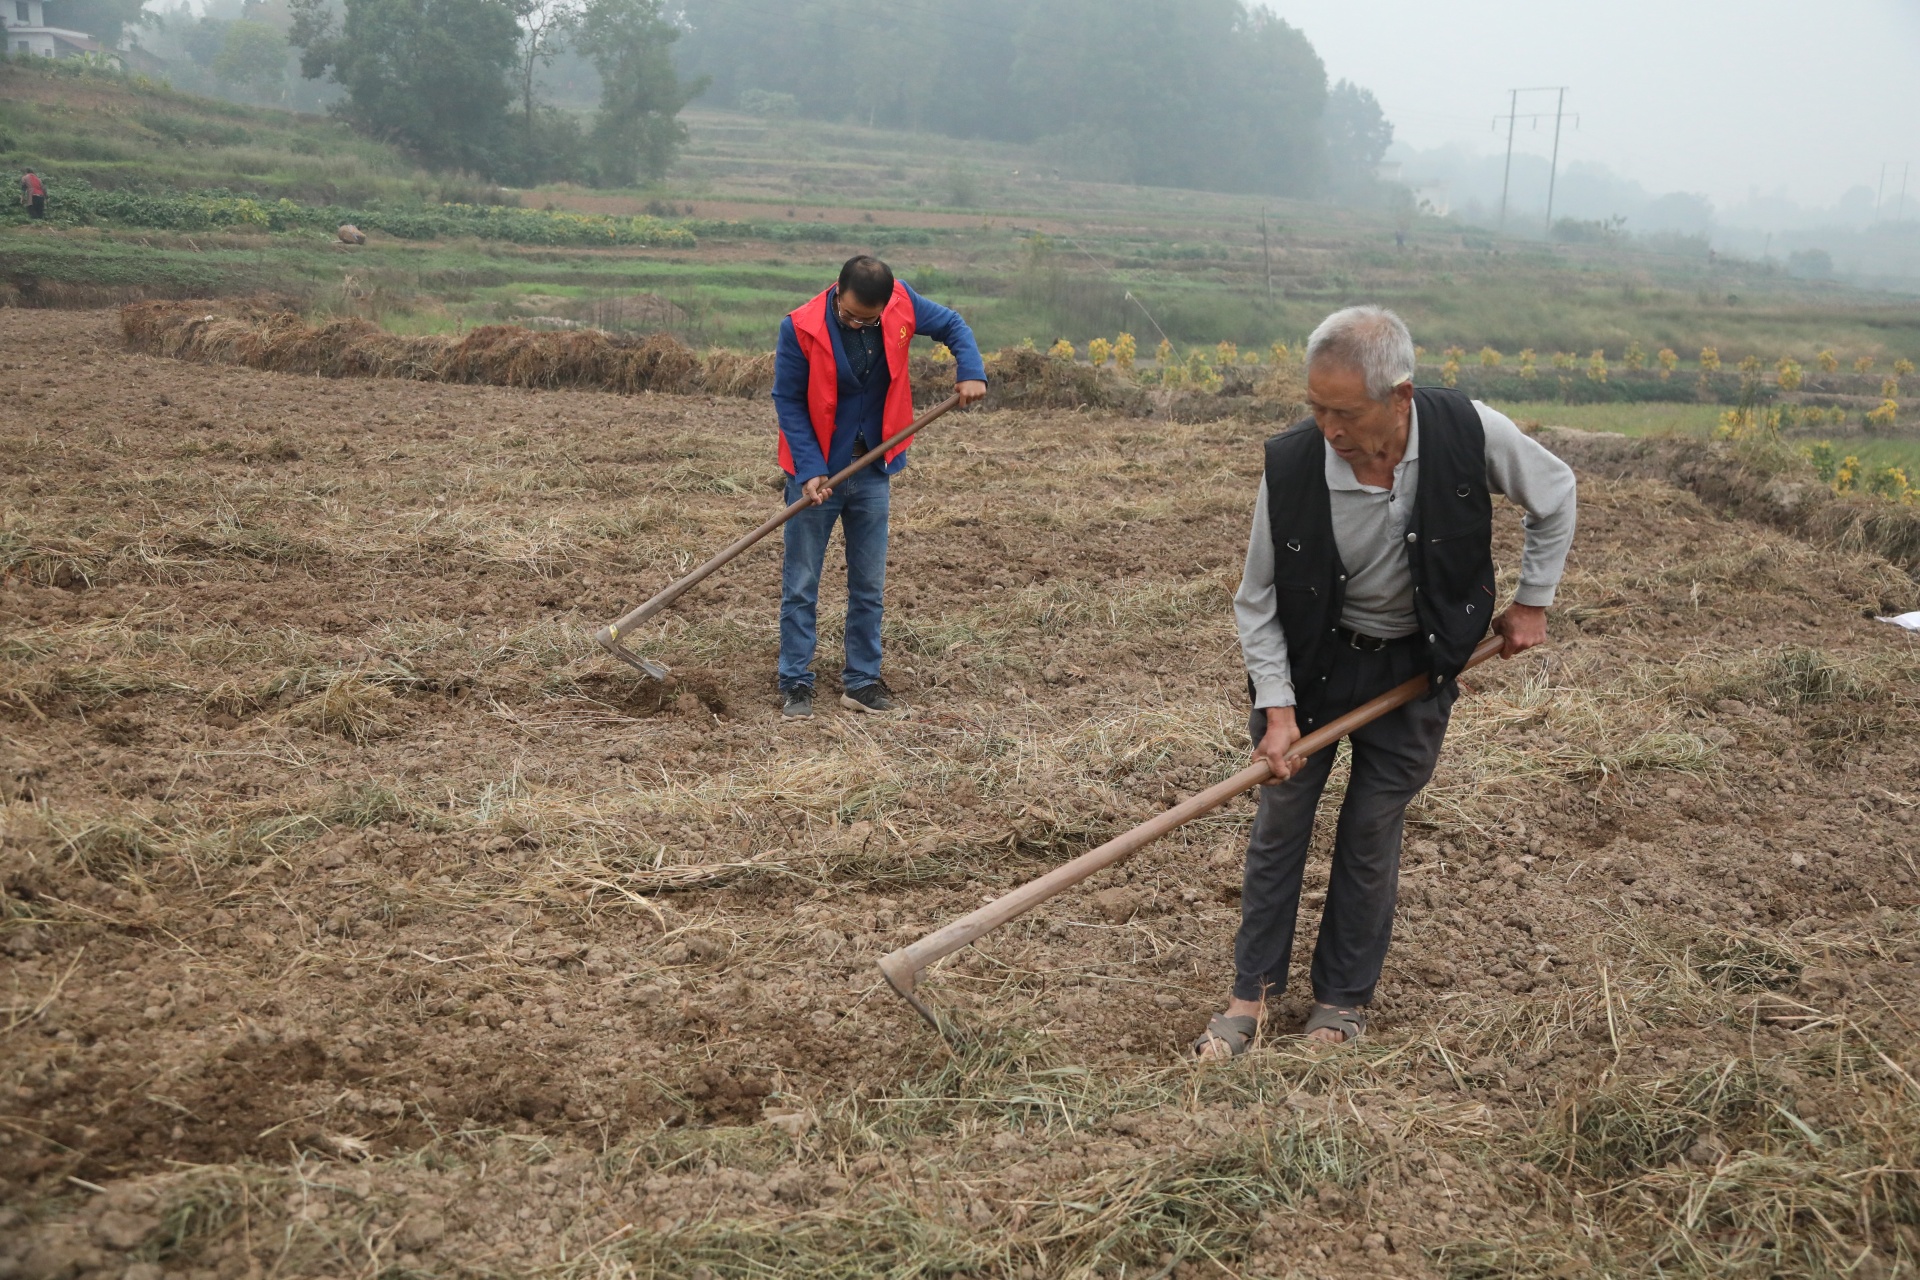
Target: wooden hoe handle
x=609, y=635
x=902, y=968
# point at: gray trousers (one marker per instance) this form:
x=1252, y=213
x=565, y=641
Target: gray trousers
x=1393, y=757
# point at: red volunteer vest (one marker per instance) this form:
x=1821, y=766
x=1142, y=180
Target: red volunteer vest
x=810, y=321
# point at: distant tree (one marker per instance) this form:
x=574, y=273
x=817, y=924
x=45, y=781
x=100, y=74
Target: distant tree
x=1217, y=94
x=1276, y=90
x=637, y=129
x=544, y=25
x=105, y=20
x=1815, y=264
x=1357, y=134
x=252, y=58
x=202, y=38
x=430, y=75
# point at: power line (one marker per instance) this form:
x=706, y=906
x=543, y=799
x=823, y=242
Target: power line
x=1513, y=116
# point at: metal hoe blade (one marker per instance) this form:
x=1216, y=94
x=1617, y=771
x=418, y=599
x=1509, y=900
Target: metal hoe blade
x=608, y=639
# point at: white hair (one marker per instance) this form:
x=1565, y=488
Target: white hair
x=1371, y=339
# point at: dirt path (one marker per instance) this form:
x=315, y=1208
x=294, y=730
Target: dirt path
x=359, y=919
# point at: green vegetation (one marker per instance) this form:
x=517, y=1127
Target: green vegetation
x=1872, y=457
x=71, y=122
x=222, y=210
x=1210, y=94
x=434, y=76
x=431, y=74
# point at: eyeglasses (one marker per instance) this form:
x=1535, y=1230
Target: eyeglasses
x=855, y=322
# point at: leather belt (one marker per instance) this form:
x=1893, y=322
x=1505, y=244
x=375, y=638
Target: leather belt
x=1366, y=643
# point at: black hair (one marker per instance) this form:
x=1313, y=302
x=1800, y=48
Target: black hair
x=868, y=279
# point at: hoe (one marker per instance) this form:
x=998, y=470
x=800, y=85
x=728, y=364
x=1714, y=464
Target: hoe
x=609, y=635
x=902, y=968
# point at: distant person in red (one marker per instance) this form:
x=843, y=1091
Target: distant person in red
x=33, y=194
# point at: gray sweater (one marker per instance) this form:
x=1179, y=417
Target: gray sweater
x=1369, y=528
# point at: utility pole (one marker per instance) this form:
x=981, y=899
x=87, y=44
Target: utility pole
x=1553, y=170
x=1506, y=179
x=1266, y=256
x=1900, y=210
x=1513, y=117
x=1880, y=190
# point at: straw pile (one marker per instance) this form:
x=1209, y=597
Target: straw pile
x=495, y=355
x=273, y=338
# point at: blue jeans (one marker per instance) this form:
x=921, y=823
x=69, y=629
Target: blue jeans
x=860, y=507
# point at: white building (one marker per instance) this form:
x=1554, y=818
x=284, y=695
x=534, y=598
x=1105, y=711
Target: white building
x=24, y=23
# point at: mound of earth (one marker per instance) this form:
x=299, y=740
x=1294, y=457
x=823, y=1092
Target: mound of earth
x=360, y=916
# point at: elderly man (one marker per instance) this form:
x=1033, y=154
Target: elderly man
x=1370, y=562
x=839, y=389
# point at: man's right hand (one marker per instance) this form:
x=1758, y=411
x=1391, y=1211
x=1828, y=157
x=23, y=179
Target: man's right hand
x=1282, y=733
x=815, y=491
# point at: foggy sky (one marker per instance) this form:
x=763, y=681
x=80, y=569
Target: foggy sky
x=1714, y=98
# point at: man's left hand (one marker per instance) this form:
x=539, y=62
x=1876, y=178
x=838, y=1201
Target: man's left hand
x=1522, y=626
x=970, y=392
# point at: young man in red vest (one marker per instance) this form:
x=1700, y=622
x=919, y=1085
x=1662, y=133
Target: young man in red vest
x=840, y=388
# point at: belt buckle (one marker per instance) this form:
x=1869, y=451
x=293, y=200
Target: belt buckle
x=1374, y=643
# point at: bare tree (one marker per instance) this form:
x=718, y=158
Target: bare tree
x=544, y=26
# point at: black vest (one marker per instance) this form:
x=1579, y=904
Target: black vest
x=1449, y=546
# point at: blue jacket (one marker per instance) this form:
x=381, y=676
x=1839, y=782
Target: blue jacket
x=860, y=406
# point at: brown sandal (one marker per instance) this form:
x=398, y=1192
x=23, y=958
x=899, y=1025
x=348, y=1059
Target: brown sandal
x=1236, y=1031
x=1350, y=1023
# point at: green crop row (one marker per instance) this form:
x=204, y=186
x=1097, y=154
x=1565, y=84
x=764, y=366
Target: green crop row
x=222, y=210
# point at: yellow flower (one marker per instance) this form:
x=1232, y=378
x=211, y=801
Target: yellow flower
x=1061, y=350
x=1669, y=361
x=1885, y=414
x=1863, y=365
x=1789, y=374
x=1828, y=361
x=1489, y=358
x=1124, y=352
x=1902, y=367
x=1597, y=365
x=1709, y=360
x=1635, y=356
x=1098, y=350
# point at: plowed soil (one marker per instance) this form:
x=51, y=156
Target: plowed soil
x=361, y=917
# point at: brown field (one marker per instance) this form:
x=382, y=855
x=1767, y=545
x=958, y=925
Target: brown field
x=361, y=919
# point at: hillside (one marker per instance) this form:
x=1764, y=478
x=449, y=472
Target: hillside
x=776, y=205
x=131, y=133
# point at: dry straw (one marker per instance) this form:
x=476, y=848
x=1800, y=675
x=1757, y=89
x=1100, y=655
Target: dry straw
x=494, y=355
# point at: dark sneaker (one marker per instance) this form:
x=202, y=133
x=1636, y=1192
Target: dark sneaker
x=797, y=703
x=874, y=699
